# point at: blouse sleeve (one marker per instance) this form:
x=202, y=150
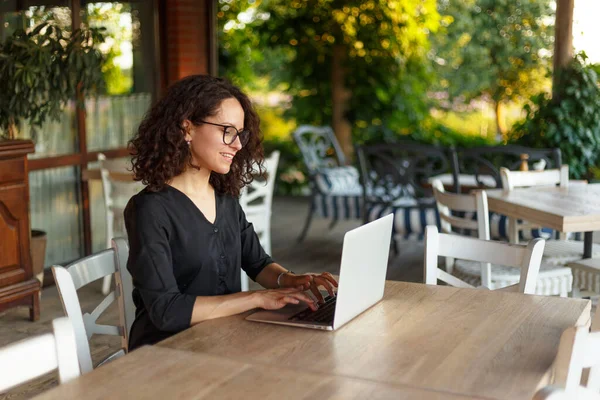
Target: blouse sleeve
x=254, y=257
x=151, y=267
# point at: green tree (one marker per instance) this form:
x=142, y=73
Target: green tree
x=351, y=62
x=496, y=49
x=570, y=120
x=110, y=17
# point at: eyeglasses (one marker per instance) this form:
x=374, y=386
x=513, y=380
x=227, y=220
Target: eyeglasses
x=230, y=133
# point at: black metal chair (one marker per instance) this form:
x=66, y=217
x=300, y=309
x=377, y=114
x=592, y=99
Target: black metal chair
x=395, y=179
x=335, y=187
x=484, y=162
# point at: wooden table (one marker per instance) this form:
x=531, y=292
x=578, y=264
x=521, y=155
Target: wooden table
x=572, y=209
x=161, y=373
x=470, y=342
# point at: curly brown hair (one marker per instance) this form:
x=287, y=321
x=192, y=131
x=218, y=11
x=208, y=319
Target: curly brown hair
x=159, y=150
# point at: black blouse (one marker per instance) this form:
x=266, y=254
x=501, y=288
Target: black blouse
x=176, y=254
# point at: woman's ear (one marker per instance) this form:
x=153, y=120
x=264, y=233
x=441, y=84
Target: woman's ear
x=187, y=127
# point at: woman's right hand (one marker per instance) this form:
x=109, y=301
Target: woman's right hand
x=274, y=299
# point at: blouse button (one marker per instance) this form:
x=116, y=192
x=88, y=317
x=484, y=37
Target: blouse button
x=222, y=255
x=216, y=230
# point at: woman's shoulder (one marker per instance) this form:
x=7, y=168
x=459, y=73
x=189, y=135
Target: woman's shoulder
x=148, y=203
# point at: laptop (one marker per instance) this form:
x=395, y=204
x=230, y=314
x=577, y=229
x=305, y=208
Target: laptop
x=361, y=282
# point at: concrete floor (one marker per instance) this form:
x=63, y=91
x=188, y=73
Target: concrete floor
x=320, y=251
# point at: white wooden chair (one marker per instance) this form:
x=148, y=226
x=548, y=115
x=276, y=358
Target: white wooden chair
x=30, y=358
x=118, y=187
x=552, y=279
x=477, y=203
x=68, y=280
x=256, y=200
x=525, y=257
x=558, y=393
x=560, y=252
x=579, y=350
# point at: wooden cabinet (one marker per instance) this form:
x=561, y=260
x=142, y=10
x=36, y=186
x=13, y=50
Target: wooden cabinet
x=17, y=284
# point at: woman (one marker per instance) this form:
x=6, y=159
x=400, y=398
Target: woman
x=188, y=235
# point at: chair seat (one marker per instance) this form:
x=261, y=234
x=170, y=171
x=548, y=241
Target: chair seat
x=552, y=279
x=562, y=252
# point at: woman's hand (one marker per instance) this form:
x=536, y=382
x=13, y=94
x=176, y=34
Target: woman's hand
x=274, y=299
x=312, y=282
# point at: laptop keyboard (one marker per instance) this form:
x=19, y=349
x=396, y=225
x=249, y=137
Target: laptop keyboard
x=324, y=314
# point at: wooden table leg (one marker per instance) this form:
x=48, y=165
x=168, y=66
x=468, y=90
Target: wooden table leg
x=34, y=310
x=588, y=240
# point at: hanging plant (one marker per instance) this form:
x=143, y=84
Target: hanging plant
x=42, y=69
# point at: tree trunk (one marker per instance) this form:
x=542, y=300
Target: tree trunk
x=500, y=123
x=340, y=96
x=12, y=129
x=563, y=40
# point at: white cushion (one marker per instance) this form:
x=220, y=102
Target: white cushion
x=339, y=181
x=552, y=279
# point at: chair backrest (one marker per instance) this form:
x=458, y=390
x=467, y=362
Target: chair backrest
x=455, y=211
x=516, y=179
x=82, y=272
x=30, y=358
x=484, y=162
x=256, y=200
x=319, y=147
x=579, y=349
x=118, y=187
x=399, y=171
x=124, y=288
x=526, y=257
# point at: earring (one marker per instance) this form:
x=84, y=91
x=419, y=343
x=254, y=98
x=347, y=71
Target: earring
x=189, y=142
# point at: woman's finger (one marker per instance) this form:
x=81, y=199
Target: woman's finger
x=290, y=300
x=325, y=283
x=307, y=299
x=317, y=293
x=330, y=278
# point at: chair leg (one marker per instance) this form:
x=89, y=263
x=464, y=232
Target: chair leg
x=307, y=222
x=395, y=246
x=106, y=284
x=333, y=223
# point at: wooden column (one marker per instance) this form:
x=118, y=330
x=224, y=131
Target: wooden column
x=563, y=37
x=187, y=36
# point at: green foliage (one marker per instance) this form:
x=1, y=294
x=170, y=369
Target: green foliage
x=384, y=45
x=498, y=49
x=110, y=17
x=292, y=178
x=41, y=69
x=570, y=121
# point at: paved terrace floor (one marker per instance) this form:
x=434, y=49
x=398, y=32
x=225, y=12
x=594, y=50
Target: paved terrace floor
x=320, y=251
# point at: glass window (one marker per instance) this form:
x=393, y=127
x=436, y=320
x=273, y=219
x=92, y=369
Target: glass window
x=113, y=118
x=54, y=137
x=55, y=208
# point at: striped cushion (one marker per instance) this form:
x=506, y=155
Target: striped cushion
x=409, y=221
x=553, y=280
x=339, y=181
x=338, y=207
x=499, y=229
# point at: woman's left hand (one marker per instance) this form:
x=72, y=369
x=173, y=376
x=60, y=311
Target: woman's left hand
x=312, y=282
